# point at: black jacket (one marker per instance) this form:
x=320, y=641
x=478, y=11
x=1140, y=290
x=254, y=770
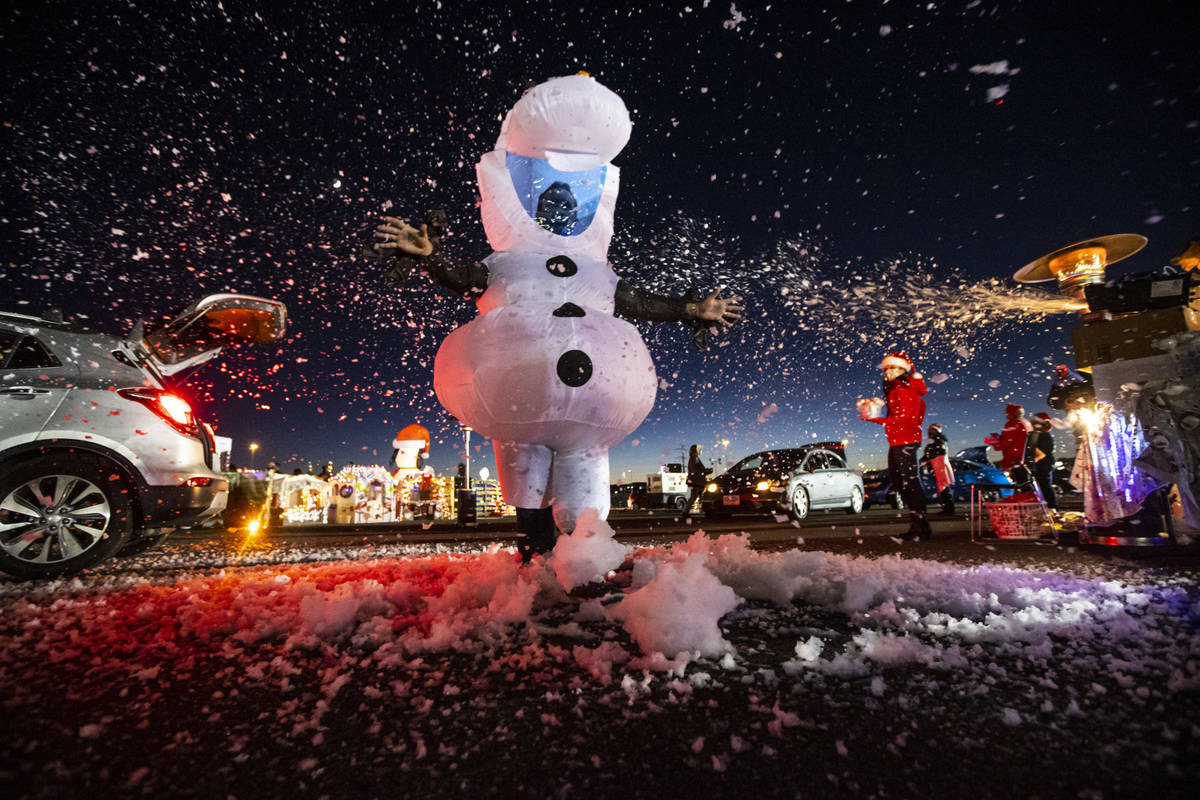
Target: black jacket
x=936, y=446
x=1040, y=440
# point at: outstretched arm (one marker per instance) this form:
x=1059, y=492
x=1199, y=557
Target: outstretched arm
x=641, y=304
x=410, y=247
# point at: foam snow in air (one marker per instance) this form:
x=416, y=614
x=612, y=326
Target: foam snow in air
x=736, y=18
x=679, y=610
x=994, y=68
x=588, y=553
x=994, y=93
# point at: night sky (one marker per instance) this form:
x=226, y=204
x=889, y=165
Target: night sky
x=868, y=175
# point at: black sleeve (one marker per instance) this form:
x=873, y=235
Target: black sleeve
x=640, y=304
x=466, y=279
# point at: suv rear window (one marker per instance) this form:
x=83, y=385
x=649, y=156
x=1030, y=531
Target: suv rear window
x=8, y=343
x=27, y=353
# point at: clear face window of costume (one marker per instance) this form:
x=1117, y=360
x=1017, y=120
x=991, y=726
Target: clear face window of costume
x=563, y=203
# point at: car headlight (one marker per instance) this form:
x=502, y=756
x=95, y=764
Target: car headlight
x=712, y=487
x=762, y=486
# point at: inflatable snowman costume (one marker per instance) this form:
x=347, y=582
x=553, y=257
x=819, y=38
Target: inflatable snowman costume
x=546, y=371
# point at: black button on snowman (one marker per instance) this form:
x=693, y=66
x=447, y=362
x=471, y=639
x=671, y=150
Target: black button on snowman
x=561, y=266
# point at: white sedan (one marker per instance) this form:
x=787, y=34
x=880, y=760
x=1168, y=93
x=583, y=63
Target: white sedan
x=823, y=481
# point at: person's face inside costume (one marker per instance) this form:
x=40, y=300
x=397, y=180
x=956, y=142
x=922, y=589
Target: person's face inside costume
x=561, y=202
x=557, y=210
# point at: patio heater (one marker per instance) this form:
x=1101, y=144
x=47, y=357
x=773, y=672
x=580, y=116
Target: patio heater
x=1079, y=265
x=1119, y=342
x=466, y=497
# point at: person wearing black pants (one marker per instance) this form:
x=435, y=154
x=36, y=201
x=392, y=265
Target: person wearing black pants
x=697, y=475
x=902, y=475
x=538, y=531
x=902, y=421
x=1041, y=453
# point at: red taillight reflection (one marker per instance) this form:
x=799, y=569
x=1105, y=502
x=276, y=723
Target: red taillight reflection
x=172, y=408
x=198, y=481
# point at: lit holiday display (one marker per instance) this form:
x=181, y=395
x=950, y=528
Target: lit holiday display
x=1141, y=424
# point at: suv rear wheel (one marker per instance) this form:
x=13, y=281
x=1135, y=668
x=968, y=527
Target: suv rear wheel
x=60, y=514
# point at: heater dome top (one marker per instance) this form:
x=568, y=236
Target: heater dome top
x=1116, y=246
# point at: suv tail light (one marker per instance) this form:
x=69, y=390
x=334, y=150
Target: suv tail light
x=172, y=408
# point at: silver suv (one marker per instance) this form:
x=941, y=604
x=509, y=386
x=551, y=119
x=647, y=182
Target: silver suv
x=97, y=450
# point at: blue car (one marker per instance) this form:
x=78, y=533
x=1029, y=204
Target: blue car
x=995, y=484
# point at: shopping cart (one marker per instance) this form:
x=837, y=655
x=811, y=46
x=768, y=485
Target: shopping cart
x=1011, y=521
x=1019, y=520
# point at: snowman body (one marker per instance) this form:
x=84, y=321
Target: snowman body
x=546, y=371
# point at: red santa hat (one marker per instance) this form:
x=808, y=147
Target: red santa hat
x=933, y=426
x=897, y=358
x=1014, y=410
x=413, y=434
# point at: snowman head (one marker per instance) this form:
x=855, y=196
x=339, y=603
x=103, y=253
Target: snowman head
x=548, y=186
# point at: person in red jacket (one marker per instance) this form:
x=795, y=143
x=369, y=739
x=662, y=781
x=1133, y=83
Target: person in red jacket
x=902, y=422
x=1013, y=436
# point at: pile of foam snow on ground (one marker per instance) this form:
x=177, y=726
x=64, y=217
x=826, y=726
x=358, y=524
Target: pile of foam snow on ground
x=587, y=553
x=424, y=657
x=902, y=611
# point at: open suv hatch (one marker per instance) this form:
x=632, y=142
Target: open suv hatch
x=98, y=450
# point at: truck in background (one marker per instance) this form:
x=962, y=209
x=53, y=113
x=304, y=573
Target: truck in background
x=666, y=488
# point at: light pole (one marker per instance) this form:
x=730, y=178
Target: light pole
x=253, y=447
x=466, y=429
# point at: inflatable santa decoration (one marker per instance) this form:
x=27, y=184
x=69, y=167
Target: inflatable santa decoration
x=412, y=441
